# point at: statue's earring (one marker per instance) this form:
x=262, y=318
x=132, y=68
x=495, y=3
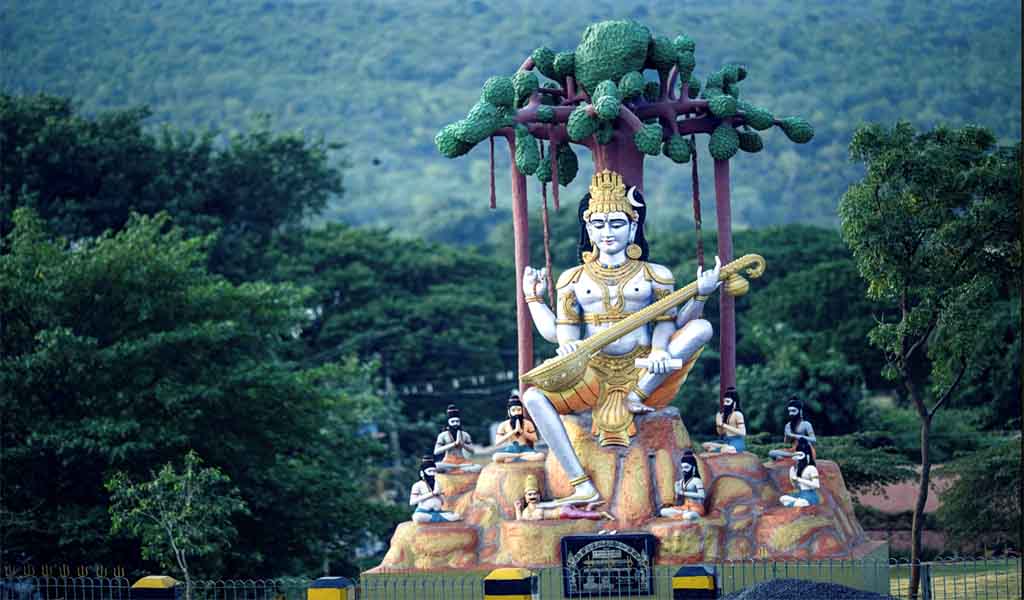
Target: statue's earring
x=589, y=257
x=634, y=251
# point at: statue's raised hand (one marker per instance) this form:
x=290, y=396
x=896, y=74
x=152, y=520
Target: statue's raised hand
x=535, y=281
x=707, y=281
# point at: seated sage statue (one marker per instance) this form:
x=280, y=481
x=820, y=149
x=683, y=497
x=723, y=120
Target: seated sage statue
x=797, y=428
x=455, y=444
x=730, y=426
x=516, y=436
x=690, y=489
x=427, y=498
x=804, y=476
x=613, y=281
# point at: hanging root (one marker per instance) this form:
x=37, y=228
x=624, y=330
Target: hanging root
x=494, y=201
x=547, y=249
x=696, y=202
x=554, y=173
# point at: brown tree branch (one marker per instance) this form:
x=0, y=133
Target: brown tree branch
x=551, y=91
x=630, y=120
x=673, y=75
x=949, y=392
x=913, y=348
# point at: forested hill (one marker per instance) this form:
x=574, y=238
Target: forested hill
x=384, y=76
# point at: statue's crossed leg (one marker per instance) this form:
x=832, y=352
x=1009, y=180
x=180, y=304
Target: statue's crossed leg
x=684, y=344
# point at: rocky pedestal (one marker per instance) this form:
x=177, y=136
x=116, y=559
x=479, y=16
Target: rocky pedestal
x=433, y=547
x=633, y=481
x=744, y=519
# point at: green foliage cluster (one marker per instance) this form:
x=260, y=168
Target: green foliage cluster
x=177, y=515
x=935, y=230
x=678, y=148
x=88, y=175
x=610, y=49
x=983, y=503
x=200, y=65
x=608, y=65
x=121, y=352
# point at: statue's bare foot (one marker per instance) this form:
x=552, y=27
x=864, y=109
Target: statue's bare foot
x=638, y=408
x=584, y=493
x=635, y=405
x=590, y=506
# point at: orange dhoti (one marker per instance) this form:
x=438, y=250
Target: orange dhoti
x=603, y=390
x=691, y=504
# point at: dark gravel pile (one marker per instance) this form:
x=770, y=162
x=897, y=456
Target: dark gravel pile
x=796, y=589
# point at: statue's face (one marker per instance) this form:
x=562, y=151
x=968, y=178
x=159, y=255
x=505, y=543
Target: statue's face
x=532, y=496
x=727, y=402
x=430, y=472
x=686, y=468
x=454, y=422
x=793, y=411
x=799, y=456
x=612, y=232
x=515, y=411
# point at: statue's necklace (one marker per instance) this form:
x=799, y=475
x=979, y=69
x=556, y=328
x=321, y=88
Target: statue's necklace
x=613, y=276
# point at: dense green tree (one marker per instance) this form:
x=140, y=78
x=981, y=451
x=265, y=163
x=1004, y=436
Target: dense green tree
x=831, y=388
x=118, y=353
x=983, y=503
x=373, y=74
x=87, y=174
x=428, y=313
x=825, y=303
x=935, y=229
x=177, y=515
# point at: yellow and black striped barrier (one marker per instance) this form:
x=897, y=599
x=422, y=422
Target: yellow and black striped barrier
x=695, y=582
x=331, y=588
x=510, y=584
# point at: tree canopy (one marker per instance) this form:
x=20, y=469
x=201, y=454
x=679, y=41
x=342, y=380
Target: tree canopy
x=86, y=175
x=381, y=77
x=121, y=352
x=935, y=229
x=936, y=233
x=177, y=515
x=597, y=96
x=983, y=502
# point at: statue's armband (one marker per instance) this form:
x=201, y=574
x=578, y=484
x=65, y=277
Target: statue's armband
x=567, y=310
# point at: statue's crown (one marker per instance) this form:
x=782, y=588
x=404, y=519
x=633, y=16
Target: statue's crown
x=608, y=195
x=531, y=484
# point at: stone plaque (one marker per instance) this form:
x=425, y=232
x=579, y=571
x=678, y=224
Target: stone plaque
x=601, y=565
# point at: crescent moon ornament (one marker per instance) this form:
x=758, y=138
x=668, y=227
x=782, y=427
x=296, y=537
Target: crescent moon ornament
x=632, y=198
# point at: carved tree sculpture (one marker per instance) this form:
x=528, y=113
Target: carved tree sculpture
x=598, y=97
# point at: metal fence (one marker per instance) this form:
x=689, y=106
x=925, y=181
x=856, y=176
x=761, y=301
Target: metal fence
x=944, y=579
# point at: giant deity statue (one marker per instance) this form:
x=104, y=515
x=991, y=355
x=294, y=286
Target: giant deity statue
x=626, y=337
x=635, y=373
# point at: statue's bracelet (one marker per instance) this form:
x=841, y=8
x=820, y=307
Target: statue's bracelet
x=700, y=298
x=533, y=298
